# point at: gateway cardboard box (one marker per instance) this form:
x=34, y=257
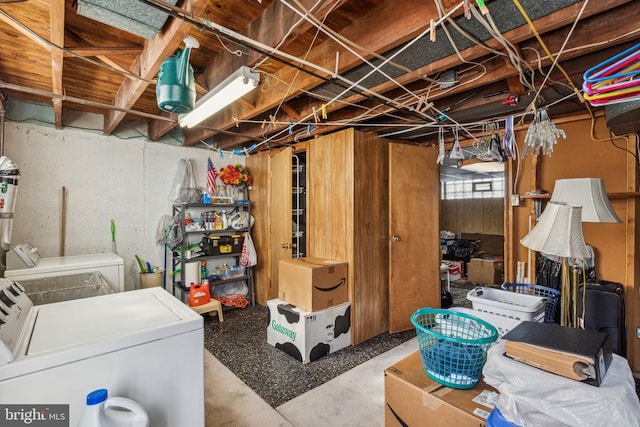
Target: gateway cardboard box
x=481, y=270
x=414, y=399
x=308, y=336
x=312, y=283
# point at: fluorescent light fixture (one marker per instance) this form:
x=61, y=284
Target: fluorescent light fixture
x=588, y=193
x=483, y=167
x=233, y=87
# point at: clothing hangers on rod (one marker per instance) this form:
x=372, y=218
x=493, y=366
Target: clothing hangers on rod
x=621, y=60
x=614, y=80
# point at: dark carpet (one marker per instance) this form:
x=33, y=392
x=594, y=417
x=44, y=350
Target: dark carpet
x=240, y=343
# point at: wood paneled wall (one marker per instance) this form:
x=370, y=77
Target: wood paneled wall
x=615, y=245
x=484, y=216
x=348, y=220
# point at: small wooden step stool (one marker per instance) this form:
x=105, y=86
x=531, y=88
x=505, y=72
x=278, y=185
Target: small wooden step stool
x=211, y=306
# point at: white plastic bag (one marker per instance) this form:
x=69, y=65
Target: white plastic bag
x=184, y=189
x=532, y=397
x=249, y=257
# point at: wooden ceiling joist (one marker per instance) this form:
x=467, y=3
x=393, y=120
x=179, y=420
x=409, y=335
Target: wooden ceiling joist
x=593, y=31
x=103, y=51
x=57, y=37
x=378, y=30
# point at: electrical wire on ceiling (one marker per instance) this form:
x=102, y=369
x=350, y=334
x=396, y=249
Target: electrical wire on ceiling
x=257, y=45
x=401, y=102
x=311, y=44
x=290, y=60
x=348, y=44
x=377, y=68
x=512, y=53
x=293, y=28
x=551, y=56
x=361, y=48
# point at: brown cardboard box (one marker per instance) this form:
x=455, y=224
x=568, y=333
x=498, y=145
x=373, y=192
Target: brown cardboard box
x=483, y=270
x=312, y=284
x=414, y=399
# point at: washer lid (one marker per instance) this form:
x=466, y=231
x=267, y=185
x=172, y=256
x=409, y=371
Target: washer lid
x=115, y=321
x=68, y=263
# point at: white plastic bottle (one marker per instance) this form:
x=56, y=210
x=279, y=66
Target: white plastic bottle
x=102, y=411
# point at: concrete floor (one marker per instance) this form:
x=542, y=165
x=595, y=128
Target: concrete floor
x=354, y=398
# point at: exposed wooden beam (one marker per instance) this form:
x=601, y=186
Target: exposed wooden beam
x=99, y=53
x=156, y=129
x=56, y=12
x=276, y=26
x=102, y=51
x=147, y=64
x=517, y=35
x=381, y=29
x=591, y=32
x=24, y=31
x=276, y=23
x=367, y=28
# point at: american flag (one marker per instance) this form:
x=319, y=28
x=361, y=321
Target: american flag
x=212, y=174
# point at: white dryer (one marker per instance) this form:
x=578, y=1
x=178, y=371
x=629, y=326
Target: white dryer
x=145, y=345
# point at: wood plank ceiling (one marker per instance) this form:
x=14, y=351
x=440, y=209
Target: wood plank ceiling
x=445, y=63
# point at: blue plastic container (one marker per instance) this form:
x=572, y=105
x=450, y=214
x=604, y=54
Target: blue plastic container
x=453, y=345
x=496, y=419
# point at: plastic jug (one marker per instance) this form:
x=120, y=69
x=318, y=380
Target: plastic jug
x=199, y=294
x=102, y=411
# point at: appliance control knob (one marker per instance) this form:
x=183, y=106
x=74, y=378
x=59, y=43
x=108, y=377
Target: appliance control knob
x=15, y=290
x=4, y=309
x=7, y=298
x=19, y=286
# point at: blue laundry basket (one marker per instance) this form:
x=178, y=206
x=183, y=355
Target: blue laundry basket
x=453, y=345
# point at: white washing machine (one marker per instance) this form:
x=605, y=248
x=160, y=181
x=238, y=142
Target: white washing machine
x=24, y=263
x=145, y=345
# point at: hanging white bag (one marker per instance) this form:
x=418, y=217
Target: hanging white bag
x=456, y=150
x=249, y=257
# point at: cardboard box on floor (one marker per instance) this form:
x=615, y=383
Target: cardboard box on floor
x=414, y=399
x=481, y=270
x=308, y=336
x=312, y=284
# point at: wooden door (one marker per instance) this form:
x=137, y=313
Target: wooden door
x=280, y=214
x=414, y=232
x=258, y=166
